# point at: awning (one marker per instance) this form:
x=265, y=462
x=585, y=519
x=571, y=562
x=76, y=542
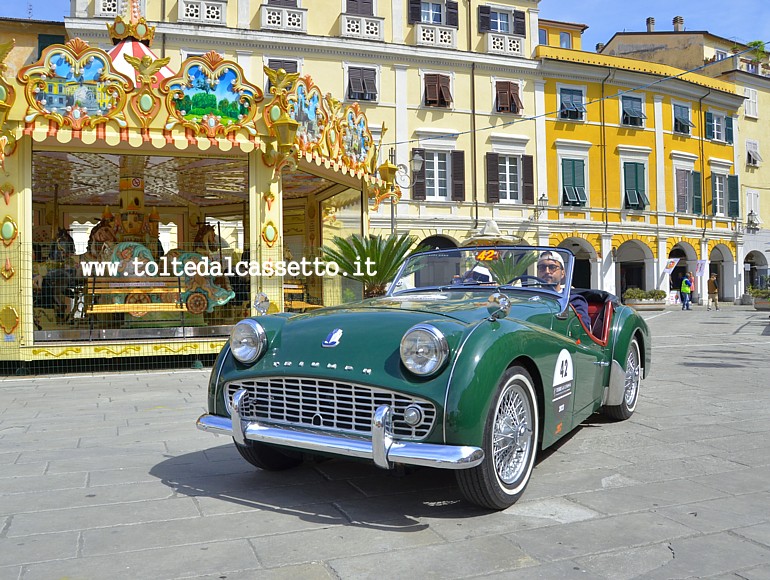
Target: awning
x=134, y=48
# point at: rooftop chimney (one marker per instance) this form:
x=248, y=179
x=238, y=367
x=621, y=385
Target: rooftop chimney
x=650, y=24
x=599, y=46
x=678, y=23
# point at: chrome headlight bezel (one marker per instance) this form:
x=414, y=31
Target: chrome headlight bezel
x=253, y=332
x=438, y=356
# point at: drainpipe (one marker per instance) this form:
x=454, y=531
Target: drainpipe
x=474, y=186
x=703, y=162
x=605, y=201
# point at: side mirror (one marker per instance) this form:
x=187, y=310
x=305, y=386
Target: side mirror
x=498, y=306
x=261, y=303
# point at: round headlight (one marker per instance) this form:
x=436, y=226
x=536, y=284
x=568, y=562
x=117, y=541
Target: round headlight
x=248, y=341
x=424, y=350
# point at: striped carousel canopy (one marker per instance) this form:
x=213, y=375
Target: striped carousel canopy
x=132, y=47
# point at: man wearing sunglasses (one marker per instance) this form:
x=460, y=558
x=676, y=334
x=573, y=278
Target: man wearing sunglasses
x=550, y=268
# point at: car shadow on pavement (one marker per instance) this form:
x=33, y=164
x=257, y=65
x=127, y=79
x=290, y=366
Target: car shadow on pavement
x=327, y=492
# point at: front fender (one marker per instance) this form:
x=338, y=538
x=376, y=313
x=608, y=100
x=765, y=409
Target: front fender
x=627, y=324
x=486, y=353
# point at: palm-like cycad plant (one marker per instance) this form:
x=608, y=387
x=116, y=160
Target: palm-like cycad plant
x=385, y=253
x=511, y=266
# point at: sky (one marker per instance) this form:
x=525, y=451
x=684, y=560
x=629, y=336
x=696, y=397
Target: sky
x=740, y=20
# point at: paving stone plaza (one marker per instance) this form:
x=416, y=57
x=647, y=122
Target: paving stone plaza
x=106, y=476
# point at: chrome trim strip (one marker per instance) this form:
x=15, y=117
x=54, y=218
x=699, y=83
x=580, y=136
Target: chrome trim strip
x=382, y=426
x=407, y=452
x=237, y=422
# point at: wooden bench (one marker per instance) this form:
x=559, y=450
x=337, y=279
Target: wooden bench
x=138, y=291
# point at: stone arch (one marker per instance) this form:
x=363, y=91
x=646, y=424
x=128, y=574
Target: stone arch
x=634, y=260
x=722, y=263
x=686, y=249
x=438, y=242
x=586, y=271
x=755, y=268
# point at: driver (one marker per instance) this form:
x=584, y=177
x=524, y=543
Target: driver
x=550, y=268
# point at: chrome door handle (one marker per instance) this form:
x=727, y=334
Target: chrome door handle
x=601, y=363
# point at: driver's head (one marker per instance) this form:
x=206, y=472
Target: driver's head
x=550, y=267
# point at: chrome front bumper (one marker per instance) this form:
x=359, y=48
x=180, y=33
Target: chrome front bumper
x=382, y=448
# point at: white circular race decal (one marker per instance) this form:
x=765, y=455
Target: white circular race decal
x=562, y=383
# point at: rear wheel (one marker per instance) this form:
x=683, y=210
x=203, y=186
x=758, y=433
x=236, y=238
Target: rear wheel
x=267, y=457
x=631, y=389
x=510, y=445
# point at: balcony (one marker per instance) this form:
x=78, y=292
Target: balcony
x=284, y=19
x=112, y=8
x=203, y=11
x=505, y=44
x=436, y=35
x=364, y=27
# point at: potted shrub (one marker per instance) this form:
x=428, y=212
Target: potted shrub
x=645, y=299
x=761, y=298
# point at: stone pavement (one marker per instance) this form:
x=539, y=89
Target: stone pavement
x=107, y=477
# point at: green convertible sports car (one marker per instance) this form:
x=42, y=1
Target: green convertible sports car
x=475, y=359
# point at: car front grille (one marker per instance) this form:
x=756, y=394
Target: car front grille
x=325, y=404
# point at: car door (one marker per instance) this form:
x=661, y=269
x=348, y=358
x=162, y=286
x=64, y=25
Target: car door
x=590, y=364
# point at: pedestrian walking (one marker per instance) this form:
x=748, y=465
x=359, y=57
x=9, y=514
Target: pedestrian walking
x=685, y=290
x=713, y=287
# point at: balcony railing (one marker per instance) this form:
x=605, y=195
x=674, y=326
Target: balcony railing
x=203, y=11
x=435, y=35
x=366, y=27
x=505, y=44
x=282, y=18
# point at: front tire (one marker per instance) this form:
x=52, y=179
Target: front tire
x=267, y=457
x=631, y=389
x=510, y=445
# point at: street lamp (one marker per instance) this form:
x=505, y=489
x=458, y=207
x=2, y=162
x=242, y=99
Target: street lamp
x=405, y=176
x=752, y=222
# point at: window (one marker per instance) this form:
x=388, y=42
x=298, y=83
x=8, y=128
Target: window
x=509, y=174
x=720, y=54
x=508, y=100
x=752, y=204
x=750, y=108
x=510, y=178
x=290, y=66
x=752, y=153
x=634, y=184
x=571, y=106
x=542, y=37
x=359, y=7
x=46, y=40
x=573, y=182
x=287, y=3
x=437, y=90
x=682, y=123
x=718, y=185
x=684, y=184
x=565, y=40
x=430, y=12
x=436, y=175
x=632, y=111
x=362, y=84
x=752, y=67
x=499, y=22
x=719, y=127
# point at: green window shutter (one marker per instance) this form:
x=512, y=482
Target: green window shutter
x=629, y=181
x=567, y=172
x=697, y=195
x=733, y=206
x=709, y=126
x=729, y=129
x=46, y=40
x=713, y=194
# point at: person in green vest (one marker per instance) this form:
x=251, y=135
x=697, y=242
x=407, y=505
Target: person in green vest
x=686, y=291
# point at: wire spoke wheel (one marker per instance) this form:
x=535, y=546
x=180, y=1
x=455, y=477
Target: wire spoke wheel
x=631, y=384
x=510, y=444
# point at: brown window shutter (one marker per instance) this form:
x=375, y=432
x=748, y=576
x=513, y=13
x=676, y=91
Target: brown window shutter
x=415, y=11
x=519, y=23
x=418, y=189
x=370, y=81
x=431, y=90
x=484, y=12
x=503, y=96
x=493, y=177
x=517, y=106
x=289, y=3
x=355, y=81
x=366, y=8
x=352, y=7
x=446, y=95
x=527, y=179
x=458, y=175
x=290, y=66
x=452, y=17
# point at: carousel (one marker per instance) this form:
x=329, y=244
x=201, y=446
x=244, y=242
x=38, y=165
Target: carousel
x=146, y=209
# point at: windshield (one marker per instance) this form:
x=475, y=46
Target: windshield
x=526, y=268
